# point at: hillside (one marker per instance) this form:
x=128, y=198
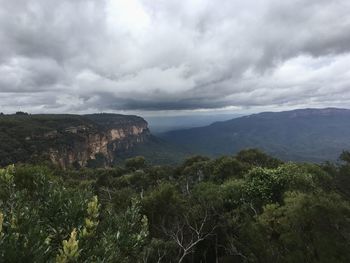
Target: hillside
x=65, y=140
x=300, y=135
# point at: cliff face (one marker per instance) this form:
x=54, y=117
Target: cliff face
x=71, y=140
x=103, y=144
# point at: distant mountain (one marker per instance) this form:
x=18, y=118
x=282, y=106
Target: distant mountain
x=69, y=140
x=161, y=124
x=99, y=140
x=300, y=135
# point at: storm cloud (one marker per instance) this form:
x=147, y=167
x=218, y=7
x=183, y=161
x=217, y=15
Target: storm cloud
x=156, y=55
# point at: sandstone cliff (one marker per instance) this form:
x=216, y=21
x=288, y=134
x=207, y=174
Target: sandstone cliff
x=72, y=140
x=106, y=144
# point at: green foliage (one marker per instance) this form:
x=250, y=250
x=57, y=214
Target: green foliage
x=70, y=249
x=99, y=161
x=122, y=236
x=308, y=227
x=255, y=157
x=194, y=159
x=163, y=205
x=341, y=174
x=228, y=167
x=135, y=163
x=91, y=222
x=245, y=208
x=208, y=195
x=345, y=157
x=42, y=220
x=266, y=185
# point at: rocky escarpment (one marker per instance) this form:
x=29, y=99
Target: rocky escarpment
x=102, y=146
x=72, y=140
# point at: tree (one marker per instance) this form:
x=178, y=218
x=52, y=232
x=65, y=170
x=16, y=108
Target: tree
x=226, y=167
x=188, y=233
x=308, y=227
x=122, y=236
x=345, y=157
x=135, y=163
x=162, y=206
x=255, y=157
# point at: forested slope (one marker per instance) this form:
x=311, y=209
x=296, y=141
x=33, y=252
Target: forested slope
x=313, y=135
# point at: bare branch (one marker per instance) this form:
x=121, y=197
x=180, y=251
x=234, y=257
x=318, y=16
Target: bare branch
x=187, y=235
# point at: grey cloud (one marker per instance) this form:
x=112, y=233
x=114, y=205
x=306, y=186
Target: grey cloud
x=145, y=55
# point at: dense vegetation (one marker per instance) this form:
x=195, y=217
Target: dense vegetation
x=244, y=208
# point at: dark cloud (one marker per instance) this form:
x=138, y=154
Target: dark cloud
x=154, y=55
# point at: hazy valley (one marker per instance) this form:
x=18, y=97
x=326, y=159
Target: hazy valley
x=102, y=140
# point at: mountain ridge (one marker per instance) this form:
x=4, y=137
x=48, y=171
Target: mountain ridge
x=290, y=135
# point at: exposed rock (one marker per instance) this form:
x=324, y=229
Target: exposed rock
x=108, y=143
x=72, y=140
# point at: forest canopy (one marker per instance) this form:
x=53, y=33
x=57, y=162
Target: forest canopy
x=244, y=208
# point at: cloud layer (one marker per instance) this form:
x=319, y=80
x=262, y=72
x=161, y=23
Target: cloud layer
x=157, y=55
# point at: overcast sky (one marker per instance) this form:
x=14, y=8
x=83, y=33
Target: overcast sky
x=173, y=56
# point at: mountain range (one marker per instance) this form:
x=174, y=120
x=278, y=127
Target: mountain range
x=300, y=135
x=101, y=140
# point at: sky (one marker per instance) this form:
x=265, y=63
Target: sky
x=173, y=57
